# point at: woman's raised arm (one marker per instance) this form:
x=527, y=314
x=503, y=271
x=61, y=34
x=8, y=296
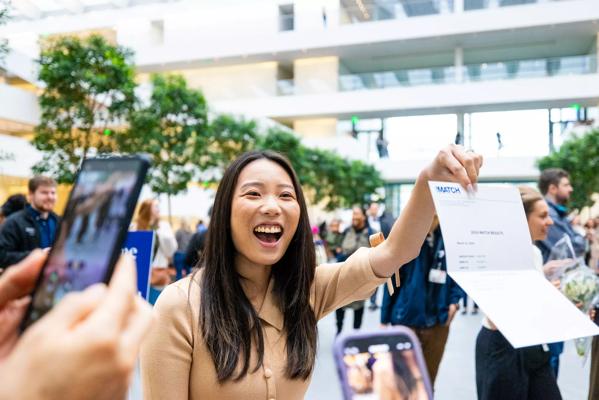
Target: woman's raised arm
x=452, y=164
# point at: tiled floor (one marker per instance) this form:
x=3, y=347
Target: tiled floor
x=455, y=380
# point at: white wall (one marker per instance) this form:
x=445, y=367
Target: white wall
x=18, y=105
x=246, y=81
x=434, y=99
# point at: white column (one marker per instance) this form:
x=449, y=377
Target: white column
x=458, y=6
x=458, y=63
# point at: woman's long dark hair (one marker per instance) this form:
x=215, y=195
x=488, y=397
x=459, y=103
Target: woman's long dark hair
x=228, y=320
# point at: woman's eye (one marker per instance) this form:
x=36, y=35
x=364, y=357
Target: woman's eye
x=252, y=194
x=287, y=195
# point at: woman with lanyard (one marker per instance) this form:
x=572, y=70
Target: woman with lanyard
x=244, y=326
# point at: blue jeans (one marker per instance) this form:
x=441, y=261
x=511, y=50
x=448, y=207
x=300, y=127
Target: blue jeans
x=555, y=349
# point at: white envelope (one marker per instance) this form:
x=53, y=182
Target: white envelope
x=489, y=254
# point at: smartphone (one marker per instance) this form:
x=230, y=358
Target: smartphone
x=382, y=364
x=91, y=233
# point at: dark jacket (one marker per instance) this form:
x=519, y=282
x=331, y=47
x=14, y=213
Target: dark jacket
x=418, y=302
x=387, y=221
x=19, y=235
x=561, y=226
x=195, y=248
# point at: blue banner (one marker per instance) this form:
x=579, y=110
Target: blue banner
x=140, y=245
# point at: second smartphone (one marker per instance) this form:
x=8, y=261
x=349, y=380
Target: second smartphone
x=383, y=364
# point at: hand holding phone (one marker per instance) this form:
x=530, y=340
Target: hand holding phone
x=85, y=348
x=385, y=364
x=91, y=232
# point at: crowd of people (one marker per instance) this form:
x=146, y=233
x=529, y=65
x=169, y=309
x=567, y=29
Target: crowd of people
x=238, y=299
x=428, y=299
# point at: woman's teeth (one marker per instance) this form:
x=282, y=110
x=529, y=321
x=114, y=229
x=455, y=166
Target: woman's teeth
x=268, y=229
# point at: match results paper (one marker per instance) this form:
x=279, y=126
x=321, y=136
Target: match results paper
x=489, y=254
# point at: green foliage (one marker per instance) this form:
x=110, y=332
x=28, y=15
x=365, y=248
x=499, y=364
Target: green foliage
x=88, y=88
x=172, y=129
x=579, y=156
x=88, y=106
x=328, y=178
x=231, y=137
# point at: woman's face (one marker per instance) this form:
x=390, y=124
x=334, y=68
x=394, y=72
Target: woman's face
x=155, y=210
x=539, y=221
x=264, y=212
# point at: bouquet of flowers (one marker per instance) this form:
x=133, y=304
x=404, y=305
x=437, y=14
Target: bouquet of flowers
x=578, y=283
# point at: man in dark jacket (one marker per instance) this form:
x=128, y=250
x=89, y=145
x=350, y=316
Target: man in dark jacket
x=195, y=248
x=554, y=184
x=33, y=227
x=426, y=301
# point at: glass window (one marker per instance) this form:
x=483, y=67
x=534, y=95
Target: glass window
x=286, y=17
x=419, y=137
x=510, y=133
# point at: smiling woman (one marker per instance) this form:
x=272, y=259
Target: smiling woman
x=244, y=326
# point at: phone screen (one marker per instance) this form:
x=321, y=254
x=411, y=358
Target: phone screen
x=91, y=231
x=385, y=367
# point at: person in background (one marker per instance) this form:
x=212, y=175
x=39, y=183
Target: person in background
x=32, y=227
x=379, y=220
x=183, y=235
x=427, y=299
x=355, y=237
x=592, y=235
x=193, y=252
x=594, y=370
x=503, y=372
x=14, y=203
x=201, y=226
x=554, y=184
x=333, y=239
x=465, y=305
x=165, y=245
x=319, y=247
x=84, y=348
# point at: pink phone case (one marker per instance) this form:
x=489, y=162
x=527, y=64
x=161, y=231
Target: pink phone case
x=402, y=333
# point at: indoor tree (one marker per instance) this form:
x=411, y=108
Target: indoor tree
x=579, y=155
x=87, y=96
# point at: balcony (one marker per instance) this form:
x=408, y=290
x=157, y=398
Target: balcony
x=576, y=65
x=359, y=11
x=509, y=70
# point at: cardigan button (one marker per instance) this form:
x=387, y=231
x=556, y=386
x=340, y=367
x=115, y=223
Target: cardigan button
x=267, y=373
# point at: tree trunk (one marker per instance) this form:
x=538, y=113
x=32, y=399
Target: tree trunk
x=170, y=217
x=85, y=147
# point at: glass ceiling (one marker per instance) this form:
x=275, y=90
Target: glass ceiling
x=35, y=9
